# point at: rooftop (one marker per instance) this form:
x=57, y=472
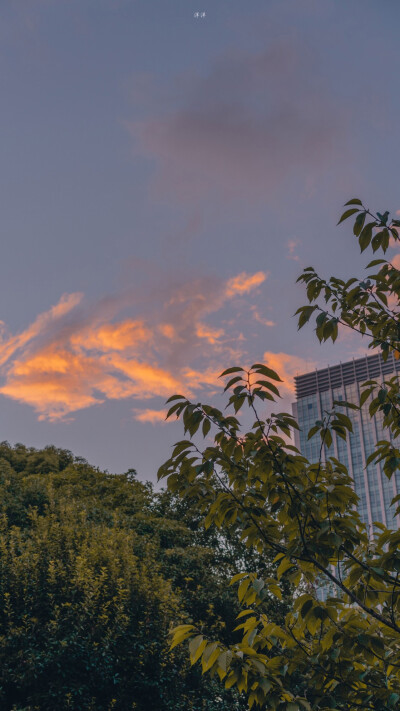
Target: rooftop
x=360, y=369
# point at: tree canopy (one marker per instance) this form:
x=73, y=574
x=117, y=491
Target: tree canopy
x=342, y=652
x=95, y=569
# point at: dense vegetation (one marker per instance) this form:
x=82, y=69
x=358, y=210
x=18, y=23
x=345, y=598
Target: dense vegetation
x=344, y=649
x=95, y=569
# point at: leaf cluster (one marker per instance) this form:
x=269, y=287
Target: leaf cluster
x=345, y=647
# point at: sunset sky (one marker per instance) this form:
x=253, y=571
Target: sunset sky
x=164, y=180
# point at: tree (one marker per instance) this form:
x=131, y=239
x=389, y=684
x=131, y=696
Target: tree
x=95, y=569
x=342, y=652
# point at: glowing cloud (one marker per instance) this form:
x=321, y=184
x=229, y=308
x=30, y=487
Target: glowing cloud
x=212, y=335
x=243, y=283
x=396, y=261
x=9, y=345
x=69, y=358
x=155, y=417
x=260, y=319
x=114, y=337
x=287, y=366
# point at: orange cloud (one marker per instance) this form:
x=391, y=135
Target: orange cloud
x=287, y=366
x=8, y=346
x=115, y=337
x=264, y=321
x=54, y=383
x=212, y=335
x=61, y=382
x=155, y=417
x=70, y=359
x=167, y=330
x=148, y=380
x=198, y=378
x=243, y=283
x=396, y=261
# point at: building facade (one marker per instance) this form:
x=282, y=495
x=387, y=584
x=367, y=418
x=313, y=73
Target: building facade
x=315, y=393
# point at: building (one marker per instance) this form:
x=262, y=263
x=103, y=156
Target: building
x=315, y=393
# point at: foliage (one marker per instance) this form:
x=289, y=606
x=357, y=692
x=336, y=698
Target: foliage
x=95, y=569
x=345, y=650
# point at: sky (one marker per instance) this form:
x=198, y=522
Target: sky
x=167, y=169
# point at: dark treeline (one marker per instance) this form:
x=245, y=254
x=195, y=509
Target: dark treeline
x=95, y=569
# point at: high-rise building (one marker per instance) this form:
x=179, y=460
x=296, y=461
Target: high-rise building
x=315, y=393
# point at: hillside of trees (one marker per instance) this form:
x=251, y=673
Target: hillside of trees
x=95, y=570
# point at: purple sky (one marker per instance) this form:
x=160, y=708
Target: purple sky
x=164, y=179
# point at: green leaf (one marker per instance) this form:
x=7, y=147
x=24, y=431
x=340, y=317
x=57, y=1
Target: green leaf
x=347, y=214
x=206, y=427
x=258, y=585
x=225, y=659
x=375, y=263
x=237, y=577
x=231, y=680
x=232, y=381
x=345, y=421
x=267, y=384
x=305, y=314
x=285, y=565
x=326, y=436
x=264, y=370
x=306, y=607
x=231, y=370
x=365, y=395
x=366, y=236
x=359, y=223
x=179, y=634
x=382, y=395
x=377, y=241
x=353, y=201
x=313, y=431
x=346, y=403
x=238, y=402
x=210, y=656
x=197, y=646
x=175, y=397
x=242, y=589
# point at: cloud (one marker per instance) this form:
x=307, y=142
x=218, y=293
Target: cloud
x=243, y=283
x=76, y=355
x=8, y=345
x=242, y=129
x=114, y=337
x=292, y=244
x=212, y=335
x=155, y=417
x=54, y=384
x=396, y=261
x=260, y=319
x=287, y=366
